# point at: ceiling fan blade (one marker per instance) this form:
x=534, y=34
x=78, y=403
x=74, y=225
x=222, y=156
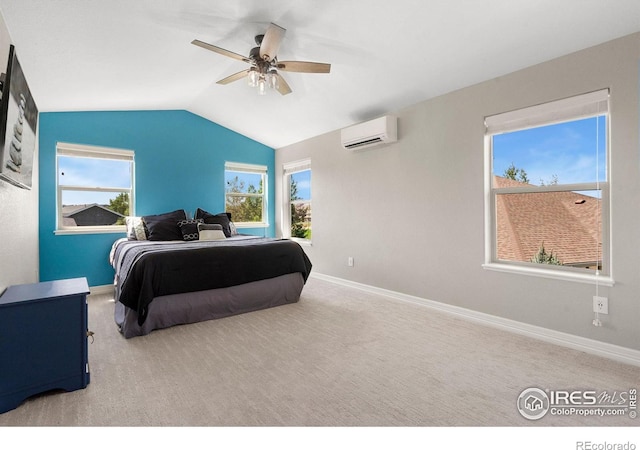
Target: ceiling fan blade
x=303, y=66
x=271, y=42
x=283, y=87
x=219, y=50
x=234, y=77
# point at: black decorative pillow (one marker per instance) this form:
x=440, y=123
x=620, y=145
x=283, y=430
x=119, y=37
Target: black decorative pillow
x=164, y=227
x=189, y=229
x=221, y=219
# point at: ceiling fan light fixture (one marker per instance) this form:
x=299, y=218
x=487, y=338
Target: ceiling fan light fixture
x=262, y=86
x=272, y=78
x=252, y=77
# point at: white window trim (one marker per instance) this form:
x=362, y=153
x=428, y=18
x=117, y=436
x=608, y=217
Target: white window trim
x=569, y=109
x=250, y=168
x=90, y=151
x=553, y=274
x=287, y=170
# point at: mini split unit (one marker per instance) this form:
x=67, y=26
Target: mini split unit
x=380, y=131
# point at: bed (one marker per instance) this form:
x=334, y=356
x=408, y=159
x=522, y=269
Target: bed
x=159, y=284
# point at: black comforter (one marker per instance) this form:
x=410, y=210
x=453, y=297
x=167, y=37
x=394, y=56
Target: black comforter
x=151, y=270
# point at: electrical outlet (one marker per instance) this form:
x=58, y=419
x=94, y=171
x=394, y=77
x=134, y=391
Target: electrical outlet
x=350, y=261
x=600, y=305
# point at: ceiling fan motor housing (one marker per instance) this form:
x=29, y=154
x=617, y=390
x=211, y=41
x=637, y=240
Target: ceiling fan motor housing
x=254, y=54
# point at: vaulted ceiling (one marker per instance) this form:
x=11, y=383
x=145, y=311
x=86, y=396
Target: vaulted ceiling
x=81, y=55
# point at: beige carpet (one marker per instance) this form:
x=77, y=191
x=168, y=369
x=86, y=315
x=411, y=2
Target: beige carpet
x=339, y=357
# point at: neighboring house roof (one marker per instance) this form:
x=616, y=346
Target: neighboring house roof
x=69, y=222
x=566, y=223
x=92, y=214
x=71, y=210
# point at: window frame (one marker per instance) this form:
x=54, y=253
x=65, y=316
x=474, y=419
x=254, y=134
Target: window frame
x=253, y=169
x=289, y=169
x=94, y=152
x=583, y=106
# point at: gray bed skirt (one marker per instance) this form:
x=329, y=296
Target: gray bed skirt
x=170, y=310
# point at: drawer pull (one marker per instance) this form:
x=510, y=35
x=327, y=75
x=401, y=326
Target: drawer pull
x=90, y=335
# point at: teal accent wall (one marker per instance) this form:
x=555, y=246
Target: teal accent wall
x=179, y=164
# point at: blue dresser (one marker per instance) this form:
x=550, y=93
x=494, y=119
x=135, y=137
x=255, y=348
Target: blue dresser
x=43, y=339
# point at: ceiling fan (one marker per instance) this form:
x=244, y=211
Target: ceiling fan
x=264, y=62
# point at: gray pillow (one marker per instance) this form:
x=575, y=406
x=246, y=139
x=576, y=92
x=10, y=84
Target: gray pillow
x=135, y=229
x=210, y=232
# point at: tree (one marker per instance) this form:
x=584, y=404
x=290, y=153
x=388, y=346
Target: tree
x=299, y=228
x=516, y=174
x=552, y=182
x=244, y=208
x=299, y=214
x=120, y=204
x=542, y=257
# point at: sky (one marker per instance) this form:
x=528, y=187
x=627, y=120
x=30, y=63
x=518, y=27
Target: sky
x=92, y=172
x=303, y=182
x=249, y=179
x=574, y=151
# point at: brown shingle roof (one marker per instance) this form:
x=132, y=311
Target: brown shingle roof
x=566, y=223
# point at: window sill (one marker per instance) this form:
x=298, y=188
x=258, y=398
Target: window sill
x=89, y=230
x=552, y=274
x=251, y=225
x=305, y=242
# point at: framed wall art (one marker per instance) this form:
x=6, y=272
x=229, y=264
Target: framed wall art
x=18, y=125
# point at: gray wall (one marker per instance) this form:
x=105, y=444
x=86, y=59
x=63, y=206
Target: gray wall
x=18, y=211
x=411, y=214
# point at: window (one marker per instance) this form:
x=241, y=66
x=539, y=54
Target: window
x=94, y=188
x=245, y=194
x=297, y=176
x=547, y=206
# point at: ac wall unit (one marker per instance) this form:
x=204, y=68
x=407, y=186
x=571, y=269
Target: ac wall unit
x=382, y=130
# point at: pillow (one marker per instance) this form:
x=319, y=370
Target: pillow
x=164, y=227
x=189, y=229
x=210, y=232
x=135, y=229
x=221, y=219
x=232, y=228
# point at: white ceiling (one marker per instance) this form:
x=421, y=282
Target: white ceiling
x=81, y=55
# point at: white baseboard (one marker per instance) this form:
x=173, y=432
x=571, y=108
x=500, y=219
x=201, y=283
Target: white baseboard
x=614, y=352
x=100, y=290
